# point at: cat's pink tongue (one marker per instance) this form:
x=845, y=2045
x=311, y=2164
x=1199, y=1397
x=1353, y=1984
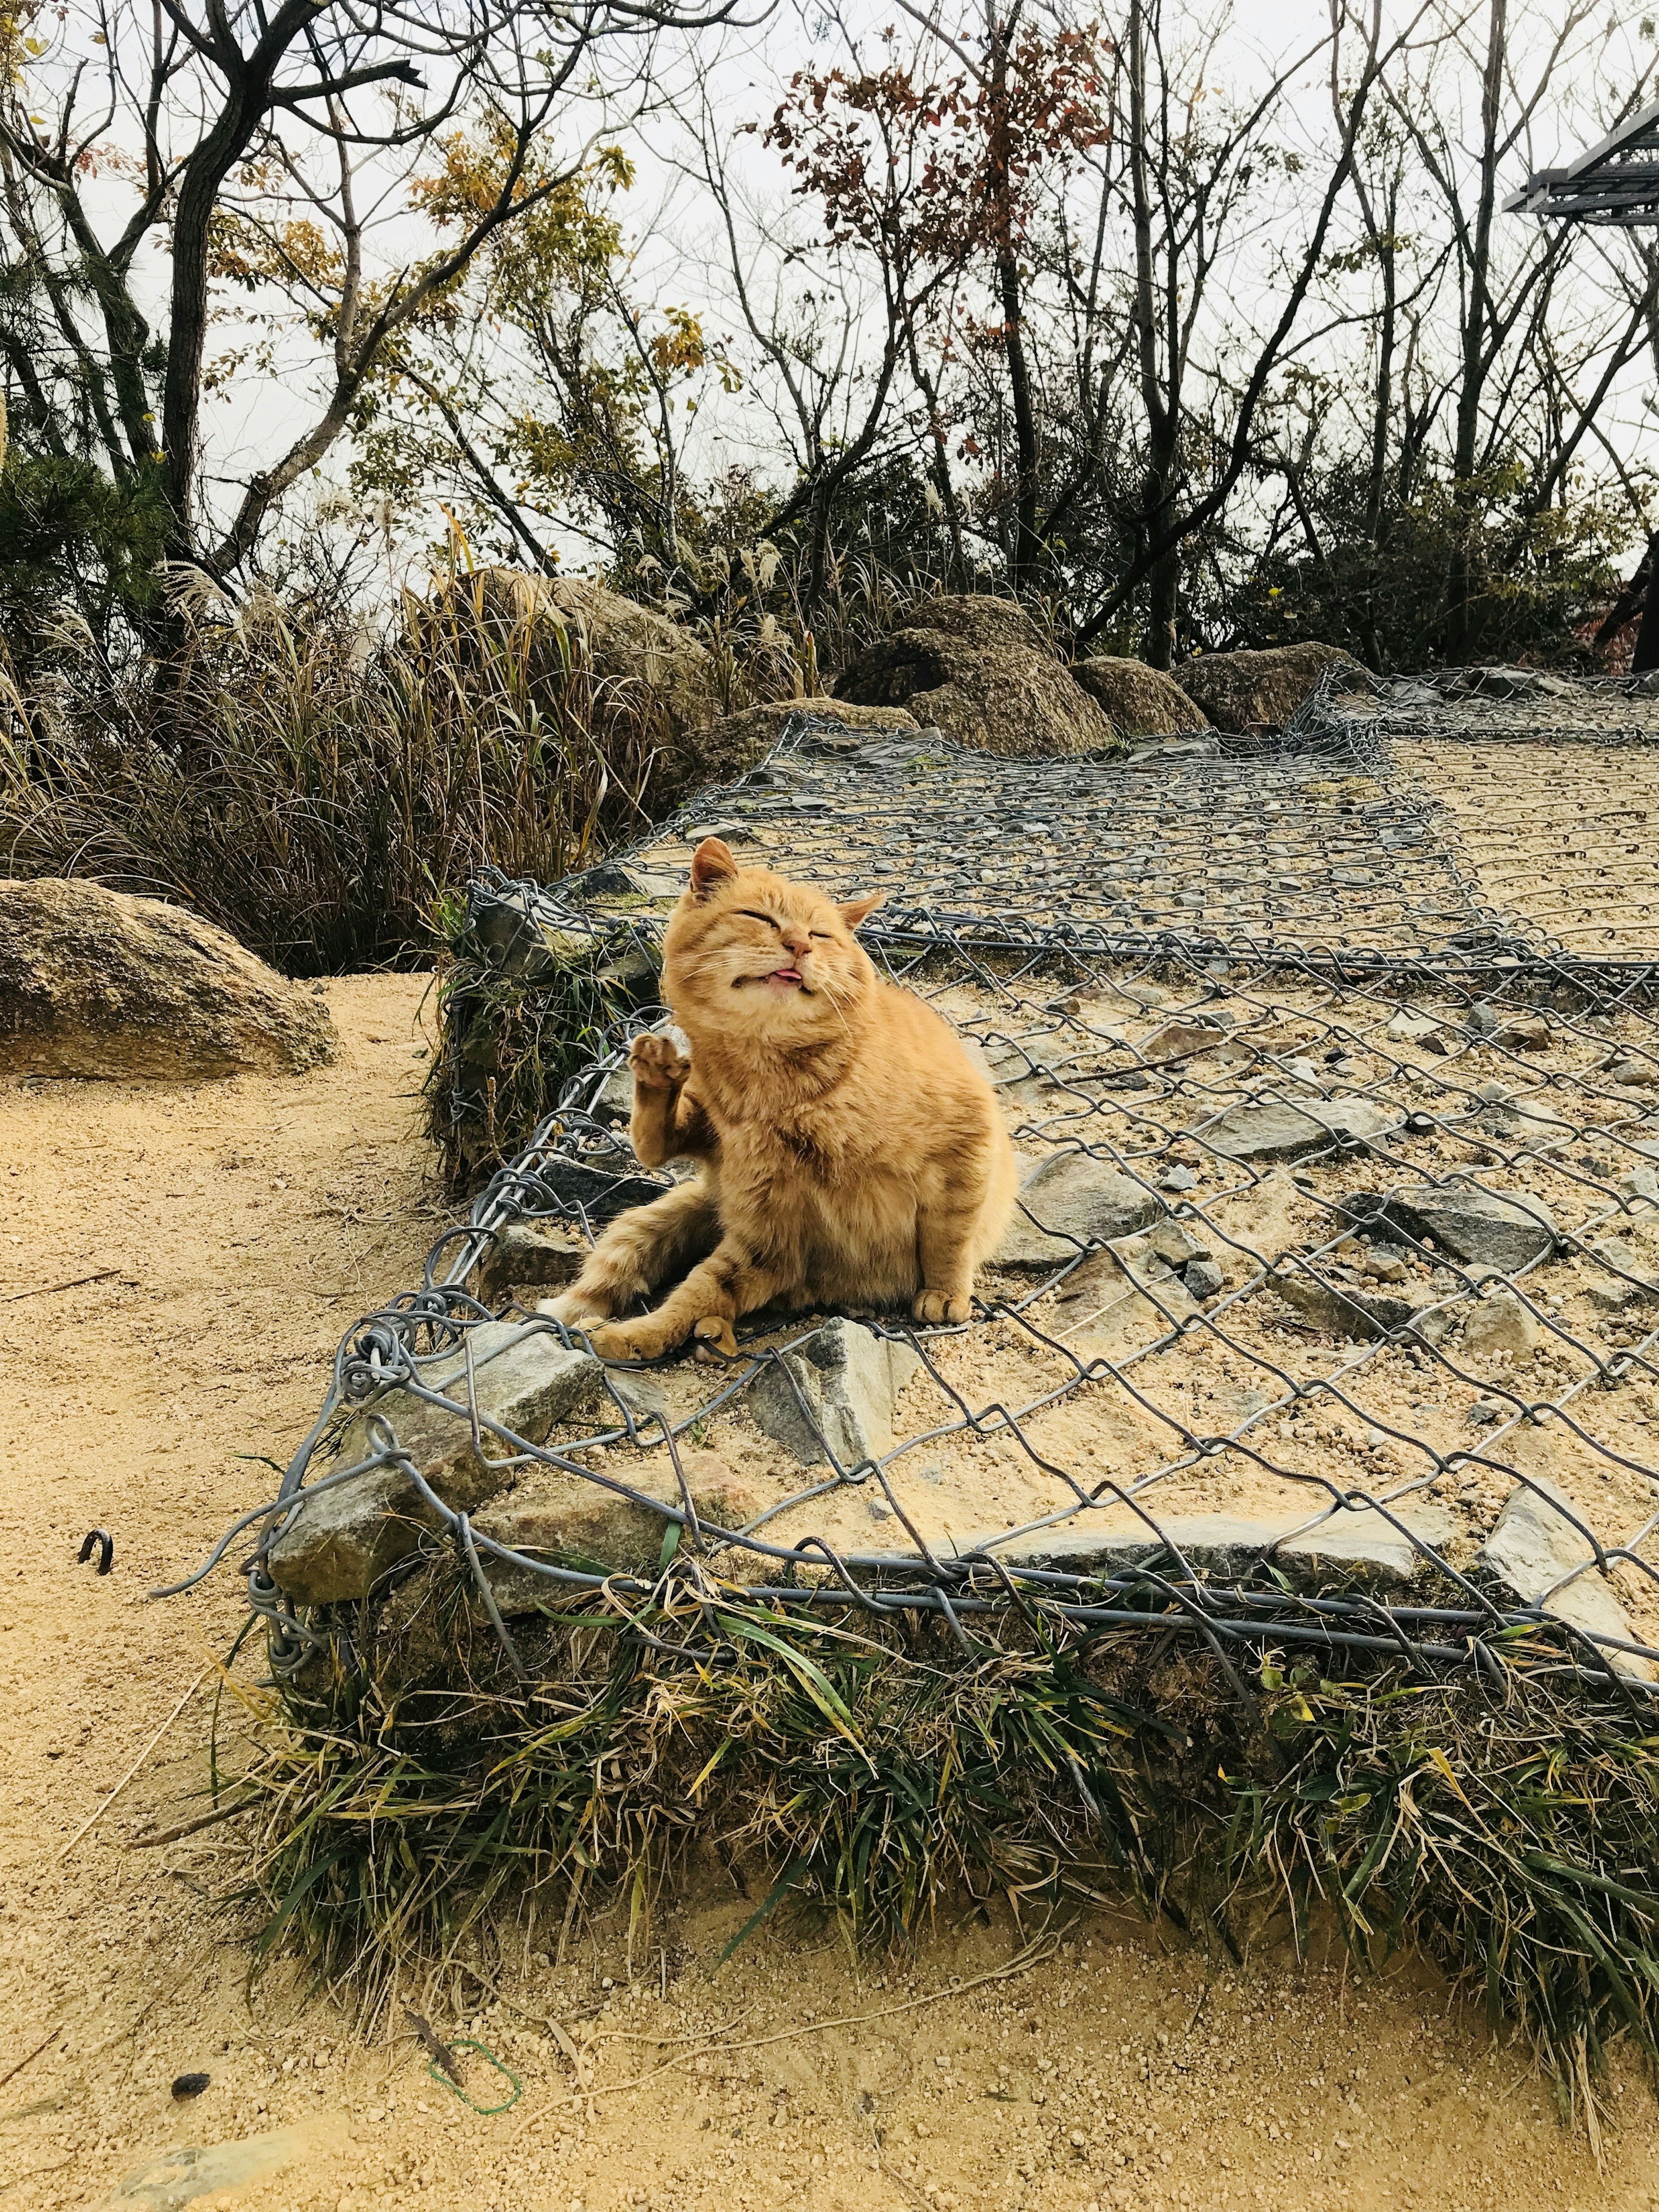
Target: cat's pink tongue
x=785, y=976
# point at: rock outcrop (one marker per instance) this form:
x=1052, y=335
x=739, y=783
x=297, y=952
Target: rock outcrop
x=981, y=669
x=96, y=982
x=1139, y=702
x=1249, y=691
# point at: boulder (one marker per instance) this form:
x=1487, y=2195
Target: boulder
x=95, y=982
x=1272, y=1129
x=1138, y=701
x=578, y=1523
x=1249, y=691
x=1069, y=1200
x=850, y=1380
x=648, y=674
x=1534, y=1544
x=1474, y=1226
x=737, y=743
x=982, y=671
x=344, y=1538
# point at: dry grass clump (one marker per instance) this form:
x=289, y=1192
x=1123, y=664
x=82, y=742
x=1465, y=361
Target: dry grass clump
x=312, y=785
x=875, y=1773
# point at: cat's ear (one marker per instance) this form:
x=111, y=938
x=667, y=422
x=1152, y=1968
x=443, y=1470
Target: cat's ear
x=712, y=865
x=858, y=910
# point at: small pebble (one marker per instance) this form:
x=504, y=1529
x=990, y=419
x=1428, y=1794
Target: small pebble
x=189, y=2084
x=1178, y=1179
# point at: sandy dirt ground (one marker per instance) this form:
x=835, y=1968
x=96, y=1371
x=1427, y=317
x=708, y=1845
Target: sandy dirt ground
x=217, y=1241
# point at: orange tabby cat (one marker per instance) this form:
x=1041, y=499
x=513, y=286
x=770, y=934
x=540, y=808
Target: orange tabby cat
x=849, y=1152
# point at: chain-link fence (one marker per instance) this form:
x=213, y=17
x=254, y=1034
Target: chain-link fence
x=1329, y=1318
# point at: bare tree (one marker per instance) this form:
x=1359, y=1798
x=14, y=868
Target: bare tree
x=262, y=143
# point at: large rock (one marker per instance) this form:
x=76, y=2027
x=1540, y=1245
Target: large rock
x=1139, y=701
x=1069, y=1200
x=849, y=1379
x=1252, y=691
x=650, y=677
x=95, y=982
x=1274, y=1129
x=737, y=743
x=1476, y=1227
x=982, y=671
x=1534, y=1544
x=344, y=1538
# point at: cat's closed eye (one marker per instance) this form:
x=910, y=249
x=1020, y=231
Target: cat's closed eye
x=748, y=914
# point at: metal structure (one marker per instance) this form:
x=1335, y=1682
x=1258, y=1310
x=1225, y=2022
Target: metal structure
x=1387, y=936
x=1615, y=184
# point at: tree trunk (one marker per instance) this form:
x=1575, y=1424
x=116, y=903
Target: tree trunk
x=1477, y=310
x=1026, y=556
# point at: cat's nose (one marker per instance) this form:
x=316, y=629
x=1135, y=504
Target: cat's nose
x=796, y=941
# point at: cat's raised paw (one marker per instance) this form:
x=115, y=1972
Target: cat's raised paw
x=932, y=1306
x=660, y=1062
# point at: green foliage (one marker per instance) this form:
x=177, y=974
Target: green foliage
x=74, y=541
x=1537, y=577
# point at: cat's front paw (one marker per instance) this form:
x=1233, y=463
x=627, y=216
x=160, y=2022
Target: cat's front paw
x=645, y=1338
x=935, y=1306
x=715, y=1339
x=660, y=1062
x=576, y=1308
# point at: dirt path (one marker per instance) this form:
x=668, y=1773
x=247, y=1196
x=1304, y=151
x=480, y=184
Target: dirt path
x=234, y=1230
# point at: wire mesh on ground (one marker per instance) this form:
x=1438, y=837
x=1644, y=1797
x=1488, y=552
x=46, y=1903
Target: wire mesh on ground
x=1332, y=1322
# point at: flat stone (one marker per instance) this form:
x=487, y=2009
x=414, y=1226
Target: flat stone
x=1472, y=1225
x=1219, y=1544
x=568, y=1523
x=1204, y=1279
x=525, y=1258
x=1502, y=1322
x=1634, y=1073
x=1534, y=1544
x=1615, y=1292
x=1178, y=1040
x=562, y=1518
x=1420, y=1030
x=1526, y=1033
x=344, y=1538
x=170, y=2180
x=1363, y=1314
x=1274, y=1129
x=850, y=1379
x=601, y=1187
x=1070, y=1201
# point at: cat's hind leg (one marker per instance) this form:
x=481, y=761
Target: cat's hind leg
x=640, y=1251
